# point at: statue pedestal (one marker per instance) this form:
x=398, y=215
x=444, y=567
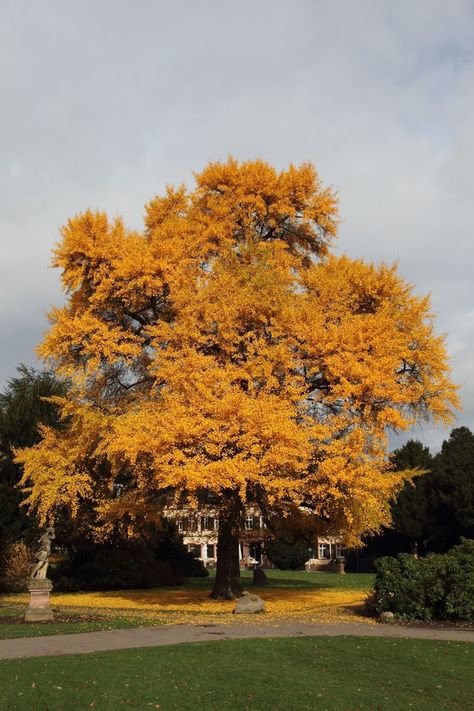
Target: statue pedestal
x=39, y=609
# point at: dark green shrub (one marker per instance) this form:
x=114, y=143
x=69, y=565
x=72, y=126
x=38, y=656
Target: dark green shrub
x=171, y=550
x=399, y=587
x=459, y=572
x=112, y=567
x=287, y=556
x=162, y=560
x=433, y=570
x=436, y=587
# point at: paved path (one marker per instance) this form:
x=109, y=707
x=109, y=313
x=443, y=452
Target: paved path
x=84, y=642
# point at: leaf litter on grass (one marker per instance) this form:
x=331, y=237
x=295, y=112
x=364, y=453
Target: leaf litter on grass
x=179, y=606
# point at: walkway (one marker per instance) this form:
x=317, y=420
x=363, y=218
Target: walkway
x=85, y=642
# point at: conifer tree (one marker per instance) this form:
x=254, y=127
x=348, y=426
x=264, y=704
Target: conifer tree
x=453, y=488
x=23, y=407
x=436, y=508
x=413, y=508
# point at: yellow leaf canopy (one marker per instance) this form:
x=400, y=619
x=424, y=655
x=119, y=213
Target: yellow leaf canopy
x=224, y=351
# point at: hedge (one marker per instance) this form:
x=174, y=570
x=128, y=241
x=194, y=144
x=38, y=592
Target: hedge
x=438, y=587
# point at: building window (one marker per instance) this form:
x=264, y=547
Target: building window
x=324, y=552
x=252, y=522
x=210, y=551
x=208, y=523
x=340, y=550
x=187, y=524
x=195, y=550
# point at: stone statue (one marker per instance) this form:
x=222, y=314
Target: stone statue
x=43, y=553
x=39, y=586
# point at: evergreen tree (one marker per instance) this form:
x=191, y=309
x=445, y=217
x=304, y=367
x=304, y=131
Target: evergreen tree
x=413, y=506
x=22, y=408
x=435, y=509
x=453, y=481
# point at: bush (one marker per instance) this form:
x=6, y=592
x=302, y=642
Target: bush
x=112, y=567
x=459, y=581
x=161, y=560
x=436, y=587
x=287, y=556
x=16, y=563
x=400, y=587
x=171, y=550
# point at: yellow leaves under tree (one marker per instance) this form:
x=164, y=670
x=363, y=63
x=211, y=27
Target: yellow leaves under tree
x=225, y=355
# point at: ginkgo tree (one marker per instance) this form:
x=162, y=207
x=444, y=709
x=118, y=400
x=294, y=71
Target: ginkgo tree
x=224, y=354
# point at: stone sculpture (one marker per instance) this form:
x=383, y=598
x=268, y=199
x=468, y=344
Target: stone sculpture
x=43, y=553
x=39, y=609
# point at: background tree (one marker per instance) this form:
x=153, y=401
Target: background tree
x=23, y=408
x=224, y=353
x=413, y=508
x=453, y=485
x=436, y=509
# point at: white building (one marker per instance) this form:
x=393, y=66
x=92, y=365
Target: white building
x=200, y=529
x=326, y=550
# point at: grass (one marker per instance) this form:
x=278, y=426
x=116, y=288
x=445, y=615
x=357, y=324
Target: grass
x=327, y=674
x=68, y=622
x=318, y=597
x=297, y=579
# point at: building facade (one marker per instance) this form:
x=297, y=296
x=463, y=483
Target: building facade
x=199, y=530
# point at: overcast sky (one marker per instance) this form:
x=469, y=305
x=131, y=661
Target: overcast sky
x=103, y=102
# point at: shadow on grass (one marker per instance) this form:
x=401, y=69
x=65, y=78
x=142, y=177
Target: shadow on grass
x=297, y=579
x=189, y=600
x=286, y=591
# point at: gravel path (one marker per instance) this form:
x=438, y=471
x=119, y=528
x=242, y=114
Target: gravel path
x=85, y=642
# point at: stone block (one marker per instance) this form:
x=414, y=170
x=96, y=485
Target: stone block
x=39, y=609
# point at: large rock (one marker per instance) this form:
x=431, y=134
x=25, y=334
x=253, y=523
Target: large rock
x=249, y=604
x=387, y=617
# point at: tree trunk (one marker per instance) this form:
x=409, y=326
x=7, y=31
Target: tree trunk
x=227, y=585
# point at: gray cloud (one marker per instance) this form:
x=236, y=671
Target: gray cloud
x=103, y=103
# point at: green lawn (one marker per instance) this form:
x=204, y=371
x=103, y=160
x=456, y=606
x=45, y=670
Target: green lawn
x=313, y=673
x=67, y=623
x=298, y=579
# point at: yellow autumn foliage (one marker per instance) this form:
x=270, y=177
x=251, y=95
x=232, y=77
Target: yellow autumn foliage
x=225, y=351
x=178, y=606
